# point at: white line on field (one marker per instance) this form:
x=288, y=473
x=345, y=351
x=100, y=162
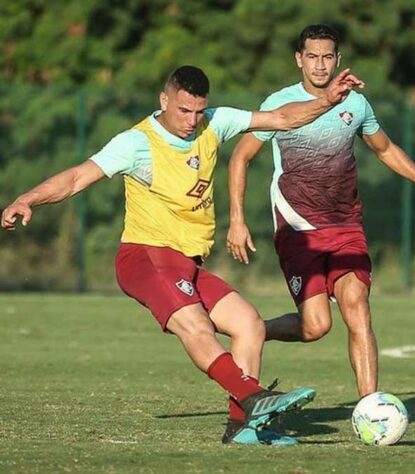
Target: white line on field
x=399, y=352
x=118, y=441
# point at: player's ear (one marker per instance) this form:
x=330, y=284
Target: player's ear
x=163, y=101
x=298, y=59
x=339, y=56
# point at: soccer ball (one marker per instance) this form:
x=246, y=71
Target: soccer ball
x=380, y=419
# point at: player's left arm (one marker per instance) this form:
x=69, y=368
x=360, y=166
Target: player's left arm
x=391, y=154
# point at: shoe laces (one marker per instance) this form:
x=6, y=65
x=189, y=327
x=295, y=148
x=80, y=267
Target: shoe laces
x=274, y=384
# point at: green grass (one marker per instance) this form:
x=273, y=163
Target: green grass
x=90, y=384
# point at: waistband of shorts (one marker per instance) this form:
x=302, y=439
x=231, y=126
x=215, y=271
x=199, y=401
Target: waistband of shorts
x=196, y=258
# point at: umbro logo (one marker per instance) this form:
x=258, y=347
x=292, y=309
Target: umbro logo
x=347, y=117
x=185, y=287
x=199, y=188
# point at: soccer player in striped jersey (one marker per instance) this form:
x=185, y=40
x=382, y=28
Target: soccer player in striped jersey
x=317, y=212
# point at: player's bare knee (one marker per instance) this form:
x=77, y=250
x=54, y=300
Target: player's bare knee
x=315, y=323
x=356, y=312
x=316, y=331
x=256, y=327
x=354, y=297
x=191, y=324
x=251, y=326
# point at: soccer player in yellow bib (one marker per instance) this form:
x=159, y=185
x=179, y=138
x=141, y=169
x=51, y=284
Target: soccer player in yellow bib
x=168, y=162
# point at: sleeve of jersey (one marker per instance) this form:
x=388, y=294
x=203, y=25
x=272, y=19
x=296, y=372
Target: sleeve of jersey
x=370, y=124
x=228, y=122
x=272, y=102
x=123, y=154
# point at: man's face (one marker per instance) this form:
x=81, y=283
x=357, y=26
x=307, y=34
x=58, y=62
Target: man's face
x=318, y=62
x=182, y=112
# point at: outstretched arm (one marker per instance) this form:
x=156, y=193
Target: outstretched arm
x=239, y=236
x=55, y=189
x=297, y=114
x=391, y=154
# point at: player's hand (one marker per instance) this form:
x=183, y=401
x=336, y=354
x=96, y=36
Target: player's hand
x=11, y=213
x=237, y=240
x=341, y=85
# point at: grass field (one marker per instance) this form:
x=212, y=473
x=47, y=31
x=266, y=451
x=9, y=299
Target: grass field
x=90, y=384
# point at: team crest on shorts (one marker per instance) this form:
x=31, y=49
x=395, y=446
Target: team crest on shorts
x=194, y=162
x=295, y=284
x=185, y=287
x=347, y=117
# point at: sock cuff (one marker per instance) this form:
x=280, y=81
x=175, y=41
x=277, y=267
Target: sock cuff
x=218, y=360
x=254, y=379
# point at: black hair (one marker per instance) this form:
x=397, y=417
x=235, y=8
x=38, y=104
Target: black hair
x=318, y=32
x=190, y=79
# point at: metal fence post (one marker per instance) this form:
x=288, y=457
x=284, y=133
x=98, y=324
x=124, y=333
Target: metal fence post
x=407, y=196
x=80, y=200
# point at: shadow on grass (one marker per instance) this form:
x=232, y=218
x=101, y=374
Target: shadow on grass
x=312, y=421
x=191, y=415
x=409, y=403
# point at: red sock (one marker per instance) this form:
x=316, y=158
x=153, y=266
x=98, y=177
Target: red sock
x=229, y=376
x=235, y=411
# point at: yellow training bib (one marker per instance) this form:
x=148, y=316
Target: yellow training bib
x=177, y=210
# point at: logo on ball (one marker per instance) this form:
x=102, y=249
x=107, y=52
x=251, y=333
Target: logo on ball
x=380, y=419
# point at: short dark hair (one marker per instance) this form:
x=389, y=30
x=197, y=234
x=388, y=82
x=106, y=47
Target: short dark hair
x=318, y=32
x=190, y=79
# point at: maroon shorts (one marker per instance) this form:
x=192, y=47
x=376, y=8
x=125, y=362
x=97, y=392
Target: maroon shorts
x=164, y=280
x=313, y=260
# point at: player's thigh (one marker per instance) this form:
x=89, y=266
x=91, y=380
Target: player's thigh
x=349, y=261
x=229, y=312
x=304, y=267
x=234, y=316
x=316, y=318
x=161, y=279
x=352, y=296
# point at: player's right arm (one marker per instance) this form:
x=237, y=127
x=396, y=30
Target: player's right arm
x=124, y=154
x=239, y=237
x=55, y=189
x=298, y=114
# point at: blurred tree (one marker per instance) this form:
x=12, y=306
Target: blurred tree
x=120, y=52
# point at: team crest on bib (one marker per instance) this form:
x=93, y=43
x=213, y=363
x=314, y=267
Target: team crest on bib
x=185, y=287
x=295, y=284
x=194, y=162
x=347, y=117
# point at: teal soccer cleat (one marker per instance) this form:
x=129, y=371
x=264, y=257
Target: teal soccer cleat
x=262, y=407
x=237, y=432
